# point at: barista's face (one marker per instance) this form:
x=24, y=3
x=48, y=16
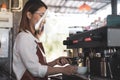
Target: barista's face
x=34, y=18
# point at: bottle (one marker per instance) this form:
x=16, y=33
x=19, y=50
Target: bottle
x=103, y=68
x=88, y=64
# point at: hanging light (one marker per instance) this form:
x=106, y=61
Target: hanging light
x=84, y=7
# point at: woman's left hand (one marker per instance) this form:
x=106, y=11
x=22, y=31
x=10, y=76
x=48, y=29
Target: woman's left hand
x=62, y=61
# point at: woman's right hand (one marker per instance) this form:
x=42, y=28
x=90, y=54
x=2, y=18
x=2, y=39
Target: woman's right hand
x=69, y=70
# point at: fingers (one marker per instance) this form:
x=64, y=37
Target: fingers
x=73, y=69
x=70, y=70
x=62, y=61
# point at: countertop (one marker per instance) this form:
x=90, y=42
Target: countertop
x=78, y=77
x=88, y=77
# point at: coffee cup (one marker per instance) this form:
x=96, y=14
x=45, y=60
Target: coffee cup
x=82, y=69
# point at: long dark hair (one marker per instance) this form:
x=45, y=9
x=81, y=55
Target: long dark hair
x=31, y=6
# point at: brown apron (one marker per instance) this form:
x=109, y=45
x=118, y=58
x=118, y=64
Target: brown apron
x=27, y=75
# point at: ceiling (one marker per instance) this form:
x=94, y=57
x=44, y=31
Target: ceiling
x=71, y=6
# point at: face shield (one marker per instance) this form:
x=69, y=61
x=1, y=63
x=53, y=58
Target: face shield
x=39, y=26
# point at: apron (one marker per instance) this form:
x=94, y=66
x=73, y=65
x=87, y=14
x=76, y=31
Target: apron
x=42, y=60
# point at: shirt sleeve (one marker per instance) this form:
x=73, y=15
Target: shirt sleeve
x=27, y=50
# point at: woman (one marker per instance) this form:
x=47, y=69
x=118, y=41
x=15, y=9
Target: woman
x=29, y=61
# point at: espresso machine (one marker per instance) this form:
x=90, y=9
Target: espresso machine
x=100, y=47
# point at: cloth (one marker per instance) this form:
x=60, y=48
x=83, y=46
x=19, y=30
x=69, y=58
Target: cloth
x=25, y=57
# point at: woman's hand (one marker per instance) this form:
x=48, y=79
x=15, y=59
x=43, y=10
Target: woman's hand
x=62, y=61
x=69, y=70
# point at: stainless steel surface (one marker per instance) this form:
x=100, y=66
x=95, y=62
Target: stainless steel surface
x=4, y=38
x=88, y=64
x=103, y=68
x=113, y=37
